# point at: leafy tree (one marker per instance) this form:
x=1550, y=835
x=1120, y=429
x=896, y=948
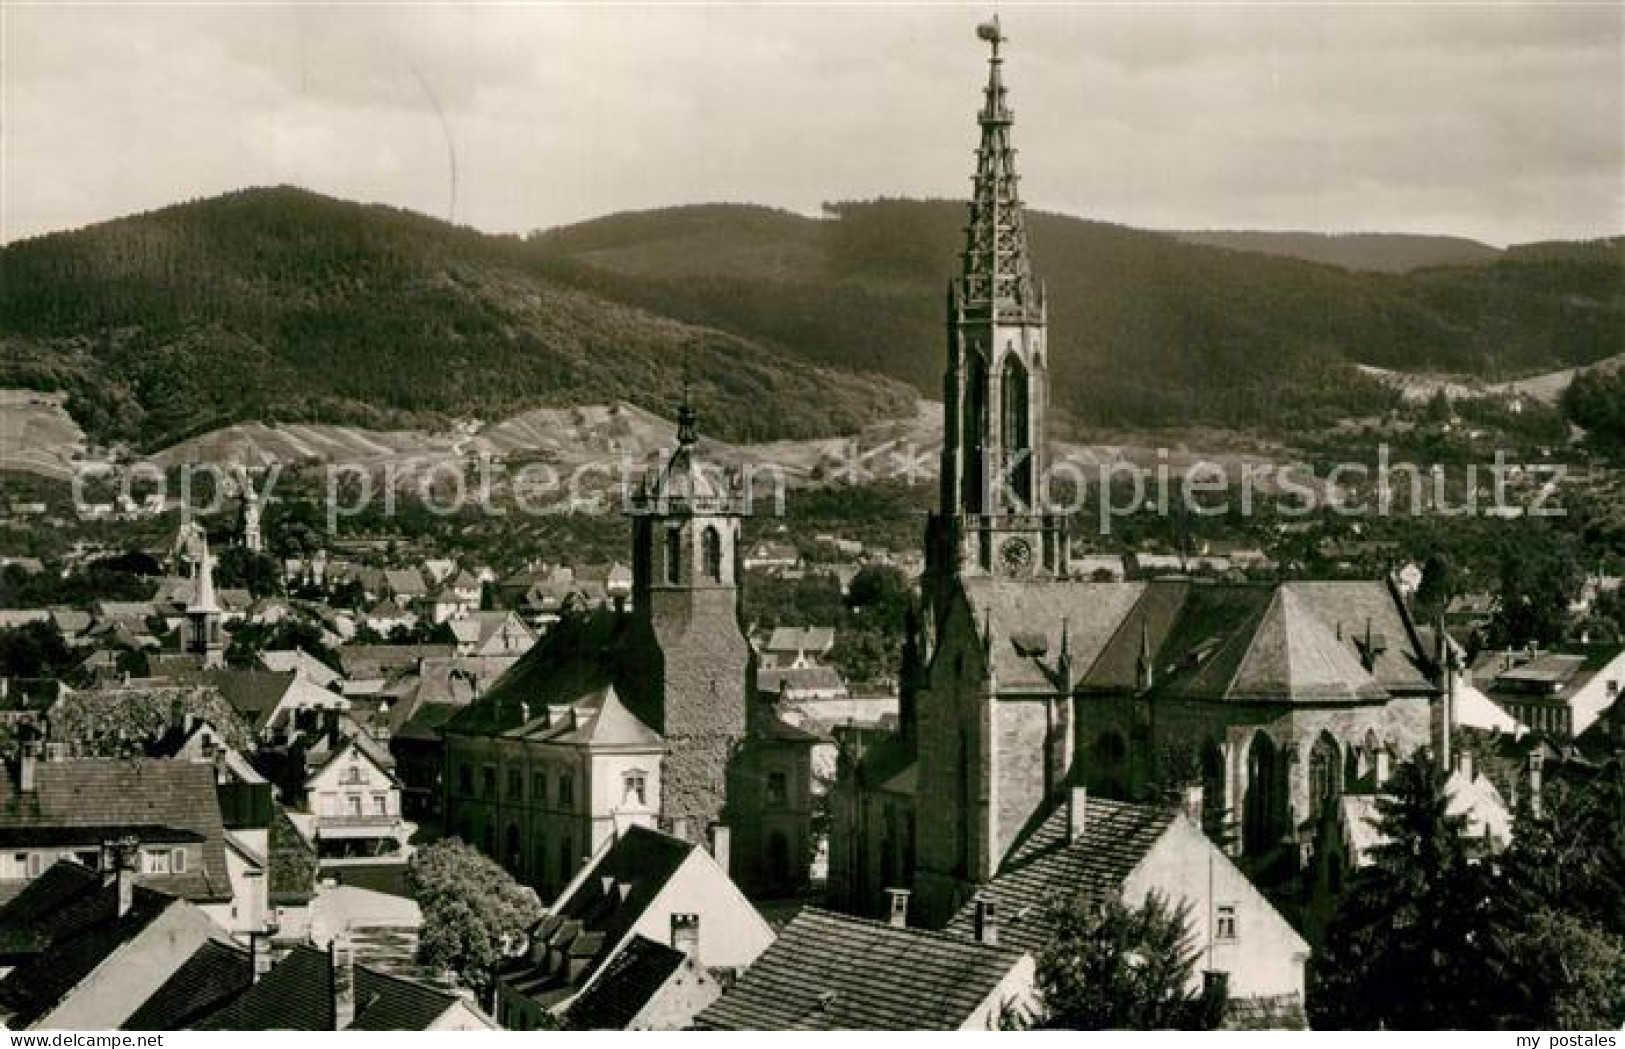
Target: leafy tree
x=248, y=640
x=34, y=651
x=1439, y=584
x=258, y=573
x=474, y=912
x=1122, y=968
x=1414, y=944
x=1539, y=578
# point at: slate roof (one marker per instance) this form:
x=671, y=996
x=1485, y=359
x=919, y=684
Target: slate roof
x=830, y=972
x=138, y=796
x=1116, y=837
x=625, y=986
x=214, y=975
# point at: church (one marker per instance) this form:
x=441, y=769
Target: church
x=1254, y=704
x=642, y=716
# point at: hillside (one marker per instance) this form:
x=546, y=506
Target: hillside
x=1372, y=252
x=1147, y=330
x=284, y=306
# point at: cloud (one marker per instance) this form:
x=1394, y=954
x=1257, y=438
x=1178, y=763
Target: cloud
x=1500, y=122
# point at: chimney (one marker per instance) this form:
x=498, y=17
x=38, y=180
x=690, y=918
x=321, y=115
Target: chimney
x=1077, y=813
x=899, y=907
x=721, y=843
x=606, y=884
x=1464, y=764
x=1382, y=766
x=685, y=934
x=26, y=765
x=679, y=827
x=259, y=949
x=987, y=920
x=118, y=866
x=1191, y=801
x=1537, y=760
x=343, y=966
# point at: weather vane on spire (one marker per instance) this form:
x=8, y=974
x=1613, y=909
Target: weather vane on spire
x=991, y=32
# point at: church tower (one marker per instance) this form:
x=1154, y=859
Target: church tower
x=203, y=613
x=693, y=659
x=991, y=516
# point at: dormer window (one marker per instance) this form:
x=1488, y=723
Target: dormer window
x=635, y=788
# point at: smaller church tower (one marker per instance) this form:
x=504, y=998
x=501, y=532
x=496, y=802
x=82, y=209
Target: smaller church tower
x=693, y=659
x=249, y=521
x=203, y=613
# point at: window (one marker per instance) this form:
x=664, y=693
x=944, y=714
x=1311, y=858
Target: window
x=538, y=788
x=674, y=556
x=177, y=861
x=567, y=790
x=155, y=862
x=636, y=788
x=380, y=804
x=1224, y=923
x=516, y=785
x=778, y=788
x=488, y=782
x=36, y=864
x=352, y=804
x=711, y=548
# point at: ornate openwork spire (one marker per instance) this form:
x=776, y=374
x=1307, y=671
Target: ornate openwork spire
x=996, y=276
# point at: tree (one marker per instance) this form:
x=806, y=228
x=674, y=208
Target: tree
x=1122, y=968
x=1438, y=586
x=1415, y=943
x=1564, y=883
x=258, y=573
x=474, y=913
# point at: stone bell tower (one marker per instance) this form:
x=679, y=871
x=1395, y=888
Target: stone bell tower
x=991, y=516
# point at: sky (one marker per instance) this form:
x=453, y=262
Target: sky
x=1503, y=122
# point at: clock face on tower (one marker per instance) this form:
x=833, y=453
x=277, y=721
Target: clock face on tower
x=1016, y=554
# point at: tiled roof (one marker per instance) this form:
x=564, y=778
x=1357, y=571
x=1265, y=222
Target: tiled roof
x=296, y=659
x=253, y=694
x=1026, y=619
x=32, y=990
x=54, y=905
x=625, y=986
x=1045, y=867
x=596, y=920
x=788, y=639
x=214, y=975
x=135, y=795
x=832, y=972
x=391, y=1003
x=296, y=995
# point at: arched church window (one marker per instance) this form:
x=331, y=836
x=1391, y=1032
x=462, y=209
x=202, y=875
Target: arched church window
x=1264, y=804
x=711, y=548
x=1325, y=773
x=674, y=556
x=1016, y=428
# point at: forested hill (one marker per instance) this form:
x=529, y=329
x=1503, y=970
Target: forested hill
x=1376, y=252
x=282, y=305
x=1146, y=330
